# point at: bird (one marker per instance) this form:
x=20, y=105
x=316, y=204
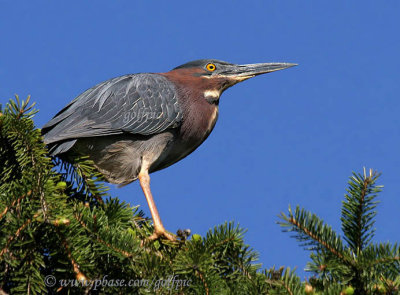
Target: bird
x=136, y=124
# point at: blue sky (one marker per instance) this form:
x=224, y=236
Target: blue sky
x=290, y=137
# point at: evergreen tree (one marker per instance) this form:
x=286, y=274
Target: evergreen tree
x=62, y=233
x=353, y=259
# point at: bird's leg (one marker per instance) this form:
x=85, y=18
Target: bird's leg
x=159, y=230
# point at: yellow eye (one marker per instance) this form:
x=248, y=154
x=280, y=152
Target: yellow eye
x=211, y=67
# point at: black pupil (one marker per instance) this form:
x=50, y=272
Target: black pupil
x=211, y=67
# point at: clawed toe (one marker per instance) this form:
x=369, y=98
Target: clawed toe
x=162, y=233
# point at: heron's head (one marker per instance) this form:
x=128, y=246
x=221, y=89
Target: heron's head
x=212, y=77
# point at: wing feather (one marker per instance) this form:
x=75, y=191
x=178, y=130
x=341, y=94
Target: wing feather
x=138, y=104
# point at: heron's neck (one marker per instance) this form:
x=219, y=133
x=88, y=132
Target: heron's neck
x=194, y=87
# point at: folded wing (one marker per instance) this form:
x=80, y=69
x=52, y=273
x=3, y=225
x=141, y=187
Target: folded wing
x=142, y=104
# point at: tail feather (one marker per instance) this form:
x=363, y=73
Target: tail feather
x=61, y=147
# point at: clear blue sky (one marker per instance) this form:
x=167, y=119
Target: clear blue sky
x=290, y=137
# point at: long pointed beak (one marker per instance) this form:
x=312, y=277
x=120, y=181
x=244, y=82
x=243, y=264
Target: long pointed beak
x=244, y=72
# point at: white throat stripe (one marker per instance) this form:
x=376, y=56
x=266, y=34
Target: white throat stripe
x=212, y=93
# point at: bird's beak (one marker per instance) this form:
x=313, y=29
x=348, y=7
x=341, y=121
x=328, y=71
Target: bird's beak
x=244, y=72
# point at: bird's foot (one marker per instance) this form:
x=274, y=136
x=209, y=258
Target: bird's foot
x=161, y=233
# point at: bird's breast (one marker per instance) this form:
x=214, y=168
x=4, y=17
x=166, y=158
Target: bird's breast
x=196, y=127
x=198, y=124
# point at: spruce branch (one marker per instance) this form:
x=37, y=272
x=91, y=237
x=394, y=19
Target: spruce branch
x=16, y=201
x=75, y=266
x=94, y=233
x=383, y=255
x=286, y=284
x=283, y=279
x=313, y=233
x=21, y=108
x=359, y=265
x=201, y=276
x=86, y=181
x=17, y=233
x=358, y=215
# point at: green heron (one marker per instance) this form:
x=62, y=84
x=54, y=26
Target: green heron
x=137, y=124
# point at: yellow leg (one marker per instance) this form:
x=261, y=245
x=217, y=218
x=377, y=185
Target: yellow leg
x=159, y=230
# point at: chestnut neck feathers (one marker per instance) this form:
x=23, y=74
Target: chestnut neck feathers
x=199, y=98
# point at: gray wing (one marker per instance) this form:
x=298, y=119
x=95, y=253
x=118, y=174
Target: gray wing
x=138, y=104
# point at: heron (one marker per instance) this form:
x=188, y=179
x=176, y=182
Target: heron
x=136, y=124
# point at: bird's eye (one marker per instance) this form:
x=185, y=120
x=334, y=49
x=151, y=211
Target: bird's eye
x=211, y=67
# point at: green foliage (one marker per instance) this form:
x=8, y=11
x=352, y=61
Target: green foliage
x=59, y=223
x=358, y=211
x=355, y=263
x=61, y=232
